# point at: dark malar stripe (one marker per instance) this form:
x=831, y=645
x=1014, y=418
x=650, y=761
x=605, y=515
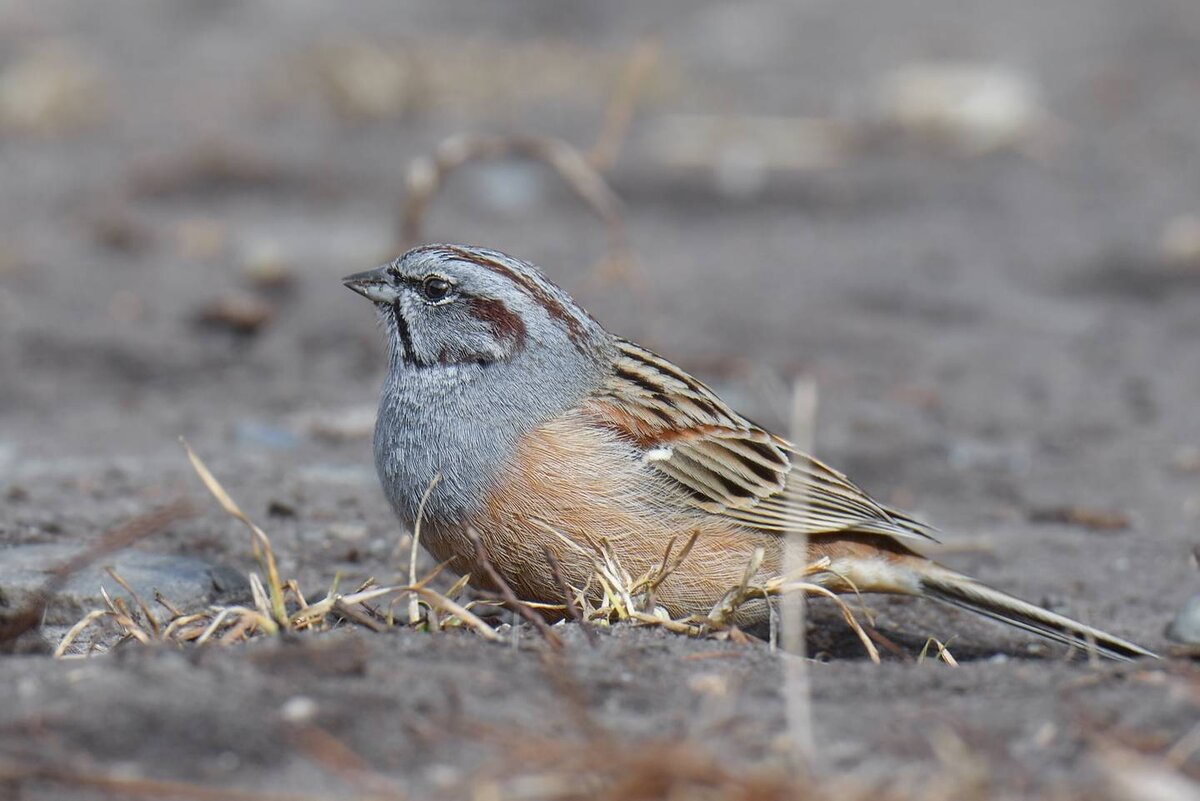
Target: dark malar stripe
x=410, y=353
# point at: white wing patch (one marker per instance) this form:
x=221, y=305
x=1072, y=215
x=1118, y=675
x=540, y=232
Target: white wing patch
x=661, y=454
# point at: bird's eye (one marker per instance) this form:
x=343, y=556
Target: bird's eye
x=436, y=289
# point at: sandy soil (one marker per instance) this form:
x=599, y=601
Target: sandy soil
x=996, y=338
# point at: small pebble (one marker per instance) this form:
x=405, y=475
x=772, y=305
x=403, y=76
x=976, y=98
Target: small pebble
x=236, y=312
x=347, y=532
x=298, y=709
x=266, y=267
x=1185, y=628
x=277, y=508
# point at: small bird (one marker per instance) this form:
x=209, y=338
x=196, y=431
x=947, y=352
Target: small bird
x=510, y=415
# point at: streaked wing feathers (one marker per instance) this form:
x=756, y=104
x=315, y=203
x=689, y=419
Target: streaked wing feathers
x=729, y=465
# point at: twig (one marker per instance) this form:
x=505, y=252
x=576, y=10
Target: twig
x=568, y=599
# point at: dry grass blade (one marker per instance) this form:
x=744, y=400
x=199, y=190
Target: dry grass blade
x=793, y=607
x=262, y=603
x=73, y=633
x=154, y=627
x=291, y=586
x=165, y=604
x=782, y=586
x=666, y=568
x=510, y=598
x=725, y=609
x=847, y=615
x=457, y=587
x=183, y=627
x=621, y=106
x=569, y=605
x=366, y=621
x=260, y=542
x=131, y=627
x=216, y=622
x=414, y=613
x=943, y=652
x=617, y=583
x=444, y=604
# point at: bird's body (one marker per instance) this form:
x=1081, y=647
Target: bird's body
x=518, y=419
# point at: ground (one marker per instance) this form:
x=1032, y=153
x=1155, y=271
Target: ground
x=1003, y=338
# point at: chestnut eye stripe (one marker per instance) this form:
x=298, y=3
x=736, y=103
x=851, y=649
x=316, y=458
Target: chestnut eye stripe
x=536, y=287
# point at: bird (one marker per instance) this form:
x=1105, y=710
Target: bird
x=511, y=421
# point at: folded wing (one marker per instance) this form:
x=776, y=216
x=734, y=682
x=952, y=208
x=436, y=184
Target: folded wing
x=727, y=464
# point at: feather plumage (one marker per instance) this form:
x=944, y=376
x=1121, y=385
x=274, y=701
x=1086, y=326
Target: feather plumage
x=729, y=465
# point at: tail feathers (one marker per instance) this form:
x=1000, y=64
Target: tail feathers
x=966, y=593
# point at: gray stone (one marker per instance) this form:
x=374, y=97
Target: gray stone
x=186, y=582
x=1185, y=627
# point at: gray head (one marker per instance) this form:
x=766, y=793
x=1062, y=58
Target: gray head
x=483, y=349
x=446, y=305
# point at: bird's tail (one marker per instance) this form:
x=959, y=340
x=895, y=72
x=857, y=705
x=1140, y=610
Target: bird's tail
x=955, y=589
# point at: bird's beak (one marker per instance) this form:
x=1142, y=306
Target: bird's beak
x=373, y=285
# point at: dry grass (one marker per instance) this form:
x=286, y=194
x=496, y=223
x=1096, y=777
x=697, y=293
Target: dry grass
x=942, y=653
x=29, y=617
x=625, y=598
x=278, y=605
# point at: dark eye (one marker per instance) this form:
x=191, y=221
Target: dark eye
x=435, y=288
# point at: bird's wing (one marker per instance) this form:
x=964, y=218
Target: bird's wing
x=728, y=465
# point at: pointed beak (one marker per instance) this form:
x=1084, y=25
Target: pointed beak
x=374, y=285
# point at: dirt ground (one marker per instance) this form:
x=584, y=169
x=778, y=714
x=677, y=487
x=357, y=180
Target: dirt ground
x=1006, y=342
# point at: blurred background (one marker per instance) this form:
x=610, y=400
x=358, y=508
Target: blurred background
x=975, y=226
